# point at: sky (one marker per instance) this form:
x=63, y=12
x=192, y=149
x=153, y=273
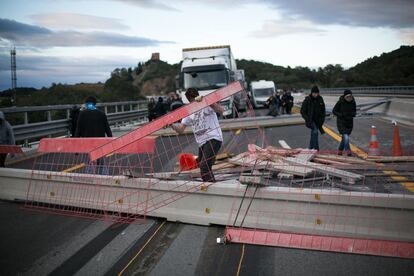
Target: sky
x=73, y=41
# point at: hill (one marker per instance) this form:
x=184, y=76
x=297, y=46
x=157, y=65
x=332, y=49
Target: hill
x=393, y=68
x=156, y=77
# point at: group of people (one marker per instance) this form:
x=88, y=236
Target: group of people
x=280, y=103
x=313, y=112
x=156, y=110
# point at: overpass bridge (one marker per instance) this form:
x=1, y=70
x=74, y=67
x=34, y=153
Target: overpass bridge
x=38, y=243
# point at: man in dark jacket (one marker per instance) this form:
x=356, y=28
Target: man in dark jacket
x=6, y=137
x=93, y=123
x=175, y=102
x=160, y=108
x=152, y=115
x=289, y=102
x=345, y=111
x=273, y=103
x=313, y=111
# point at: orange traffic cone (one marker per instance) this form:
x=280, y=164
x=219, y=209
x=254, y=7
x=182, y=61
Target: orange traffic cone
x=373, y=144
x=396, y=146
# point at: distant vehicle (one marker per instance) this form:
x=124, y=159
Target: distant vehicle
x=210, y=68
x=261, y=91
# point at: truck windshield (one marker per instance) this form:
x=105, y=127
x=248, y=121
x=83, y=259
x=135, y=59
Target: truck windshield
x=263, y=92
x=205, y=79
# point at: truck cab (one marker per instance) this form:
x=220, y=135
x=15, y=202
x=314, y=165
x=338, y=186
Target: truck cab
x=208, y=69
x=261, y=91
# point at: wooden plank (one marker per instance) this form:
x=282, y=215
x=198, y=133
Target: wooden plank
x=305, y=155
x=331, y=162
x=223, y=156
x=251, y=160
x=341, y=158
x=347, y=177
x=283, y=144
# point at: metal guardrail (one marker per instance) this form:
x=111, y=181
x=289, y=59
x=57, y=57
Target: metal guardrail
x=376, y=90
x=123, y=112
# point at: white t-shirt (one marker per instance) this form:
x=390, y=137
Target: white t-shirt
x=205, y=125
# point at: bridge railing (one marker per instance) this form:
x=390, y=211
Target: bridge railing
x=376, y=90
x=31, y=123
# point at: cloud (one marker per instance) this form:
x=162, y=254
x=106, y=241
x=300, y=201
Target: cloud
x=33, y=36
x=407, y=35
x=363, y=13
x=274, y=28
x=368, y=13
x=37, y=71
x=149, y=4
x=61, y=20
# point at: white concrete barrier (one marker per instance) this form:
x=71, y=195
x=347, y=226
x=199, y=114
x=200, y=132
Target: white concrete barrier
x=312, y=211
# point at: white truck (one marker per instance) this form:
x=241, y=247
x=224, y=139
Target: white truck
x=207, y=69
x=261, y=91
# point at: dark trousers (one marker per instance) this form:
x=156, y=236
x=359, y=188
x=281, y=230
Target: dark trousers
x=288, y=108
x=2, y=159
x=206, y=157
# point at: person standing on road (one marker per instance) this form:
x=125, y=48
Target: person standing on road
x=313, y=111
x=93, y=123
x=6, y=137
x=175, y=102
x=289, y=102
x=273, y=104
x=160, y=108
x=345, y=111
x=207, y=133
x=151, y=110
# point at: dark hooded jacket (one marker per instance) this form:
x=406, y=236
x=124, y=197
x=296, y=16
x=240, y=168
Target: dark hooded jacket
x=92, y=123
x=345, y=112
x=6, y=131
x=313, y=110
x=160, y=108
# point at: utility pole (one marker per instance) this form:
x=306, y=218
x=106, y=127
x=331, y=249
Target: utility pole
x=13, y=74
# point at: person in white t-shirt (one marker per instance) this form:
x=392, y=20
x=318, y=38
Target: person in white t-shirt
x=207, y=133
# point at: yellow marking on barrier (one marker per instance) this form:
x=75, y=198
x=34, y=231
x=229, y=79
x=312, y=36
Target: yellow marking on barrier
x=207, y=210
x=361, y=153
x=237, y=132
x=318, y=221
x=120, y=201
x=118, y=182
x=74, y=168
x=393, y=174
x=203, y=188
x=142, y=248
x=52, y=193
x=240, y=261
x=317, y=196
x=49, y=176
